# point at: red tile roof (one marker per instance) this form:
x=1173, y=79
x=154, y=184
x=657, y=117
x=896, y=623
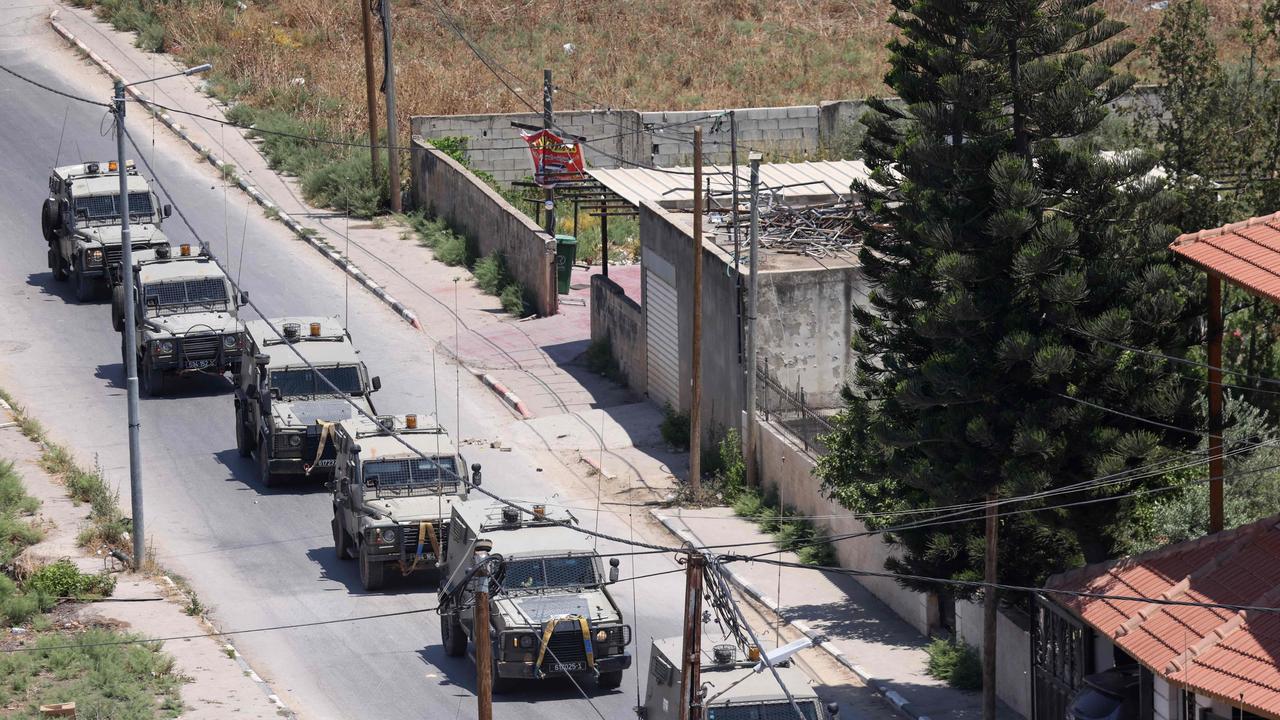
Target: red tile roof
x=1231, y=655
x=1245, y=253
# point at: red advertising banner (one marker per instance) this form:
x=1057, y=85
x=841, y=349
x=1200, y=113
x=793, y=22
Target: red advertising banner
x=554, y=160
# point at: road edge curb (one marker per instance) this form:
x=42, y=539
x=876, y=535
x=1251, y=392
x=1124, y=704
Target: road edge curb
x=892, y=696
x=307, y=235
x=502, y=391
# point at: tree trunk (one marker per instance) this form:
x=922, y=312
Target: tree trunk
x=989, y=600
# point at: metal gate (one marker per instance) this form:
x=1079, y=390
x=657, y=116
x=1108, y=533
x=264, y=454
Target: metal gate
x=1061, y=655
x=662, y=331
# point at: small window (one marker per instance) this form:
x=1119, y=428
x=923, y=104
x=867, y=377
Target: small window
x=661, y=671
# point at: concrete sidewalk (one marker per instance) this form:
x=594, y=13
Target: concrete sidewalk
x=861, y=631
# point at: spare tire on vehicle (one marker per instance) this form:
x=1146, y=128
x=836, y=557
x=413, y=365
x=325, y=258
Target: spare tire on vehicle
x=49, y=219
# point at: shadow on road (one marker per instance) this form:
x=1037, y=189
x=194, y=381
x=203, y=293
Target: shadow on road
x=461, y=672
x=347, y=572
x=245, y=472
x=48, y=286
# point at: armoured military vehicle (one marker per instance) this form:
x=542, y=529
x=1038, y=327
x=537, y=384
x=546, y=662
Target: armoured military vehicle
x=550, y=610
x=391, y=503
x=737, y=687
x=282, y=405
x=185, y=312
x=81, y=224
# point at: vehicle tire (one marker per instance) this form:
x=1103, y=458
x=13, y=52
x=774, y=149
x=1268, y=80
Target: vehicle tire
x=341, y=541
x=117, y=308
x=49, y=219
x=244, y=438
x=84, y=285
x=150, y=379
x=371, y=573
x=609, y=680
x=452, y=636
x=501, y=685
x=57, y=266
x=267, y=477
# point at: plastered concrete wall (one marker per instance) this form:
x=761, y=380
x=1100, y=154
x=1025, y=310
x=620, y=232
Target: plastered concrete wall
x=497, y=148
x=619, y=319
x=1013, y=653
x=788, y=471
x=805, y=329
x=443, y=188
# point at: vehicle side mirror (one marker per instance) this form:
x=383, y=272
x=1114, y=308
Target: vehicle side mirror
x=613, y=569
x=275, y=393
x=244, y=297
x=475, y=474
x=251, y=392
x=833, y=710
x=153, y=301
x=376, y=382
x=168, y=210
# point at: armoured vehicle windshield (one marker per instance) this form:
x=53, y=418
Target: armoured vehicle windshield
x=168, y=297
x=411, y=476
x=534, y=573
x=99, y=209
x=302, y=382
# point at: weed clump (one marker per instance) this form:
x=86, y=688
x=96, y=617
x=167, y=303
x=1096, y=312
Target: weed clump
x=675, y=428
x=957, y=664
x=62, y=579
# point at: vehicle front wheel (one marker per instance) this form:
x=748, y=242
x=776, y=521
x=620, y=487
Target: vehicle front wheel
x=452, y=636
x=267, y=477
x=150, y=379
x=501, y=685
x=117, y=308
x=244, y=438
x=84, y=285
x=56, y=265
x=609, y=680
x=341, y=542
x=371, y=573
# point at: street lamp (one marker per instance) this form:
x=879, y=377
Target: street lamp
x=130, y=329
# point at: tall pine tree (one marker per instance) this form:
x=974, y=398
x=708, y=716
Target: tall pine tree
x=1002, y=243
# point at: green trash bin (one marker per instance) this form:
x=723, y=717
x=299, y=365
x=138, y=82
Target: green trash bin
x=566, y=253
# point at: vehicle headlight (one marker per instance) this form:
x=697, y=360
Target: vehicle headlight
x=162, y=347
x=601, y=636
x=295, y=440
x=95, y=256
x=230, y=341
x=386, y=536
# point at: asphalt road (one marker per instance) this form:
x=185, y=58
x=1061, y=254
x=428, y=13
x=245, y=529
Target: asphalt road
x=255, y=557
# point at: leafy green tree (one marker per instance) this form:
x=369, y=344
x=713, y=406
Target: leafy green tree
x=1001, y=243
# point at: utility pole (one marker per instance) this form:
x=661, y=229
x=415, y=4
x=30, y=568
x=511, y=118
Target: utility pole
x=1215, y=403
x=130, y=342
x=389, y=81
x=691, y=651
x=989, y=606
x=484, y=650
x=548, y=119
x=695, y=411
x=371, y=95
x=754, y=240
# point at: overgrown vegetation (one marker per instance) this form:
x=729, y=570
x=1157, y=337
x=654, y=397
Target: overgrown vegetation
x=106, y=677
x=18, y=527
x=490, y=272
x=959, y=665
x=599, y=359
x=675, y=428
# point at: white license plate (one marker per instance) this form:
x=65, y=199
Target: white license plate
x=197, y=364
x=324, y=463
x=566, y=667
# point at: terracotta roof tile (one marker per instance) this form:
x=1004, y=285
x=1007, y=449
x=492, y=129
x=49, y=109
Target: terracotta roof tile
x=1245, y=253
x=1230, y=655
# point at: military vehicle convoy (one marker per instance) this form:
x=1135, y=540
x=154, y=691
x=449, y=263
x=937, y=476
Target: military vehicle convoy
x=550, y=608
x=391, y=505
x=81, y=224
x=185, y=312
x=282, y=406
x=737, y=688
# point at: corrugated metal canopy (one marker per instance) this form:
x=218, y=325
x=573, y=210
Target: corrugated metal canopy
x=1245, y=253
x=802, y=183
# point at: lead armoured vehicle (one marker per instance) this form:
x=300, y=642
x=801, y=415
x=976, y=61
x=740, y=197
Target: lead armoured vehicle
x=81, y=224
x=736, y=688
x=282, y=405
x=185, y=312
x=391, y=503
x=550, y=610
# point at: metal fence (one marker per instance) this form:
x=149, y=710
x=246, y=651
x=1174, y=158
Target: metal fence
x=787, y=407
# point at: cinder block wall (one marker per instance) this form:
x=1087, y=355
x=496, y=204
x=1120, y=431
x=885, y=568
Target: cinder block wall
x=443, y=188
x=1013, y=653
x=618, y=318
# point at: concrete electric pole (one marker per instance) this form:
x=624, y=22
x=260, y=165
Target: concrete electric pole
x=695, y=406
x=754, y=240
x=548, y=120
x=389, y=82
x=370, y=94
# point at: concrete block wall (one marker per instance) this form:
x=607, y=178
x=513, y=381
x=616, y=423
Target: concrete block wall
x=1013, y=653
x=618, y=318
x=788, y=131
x=443, y=188
x=788, y=471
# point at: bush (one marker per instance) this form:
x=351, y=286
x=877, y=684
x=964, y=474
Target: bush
x=451, y=250
x=959, y=665
x=16, y=607
x=13, y=497
x=345, y=184
x=675, y=428
x=62, y=579
x=491, y=274
x=515, y=301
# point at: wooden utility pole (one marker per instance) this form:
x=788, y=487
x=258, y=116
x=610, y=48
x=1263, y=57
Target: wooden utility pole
x=691, y=650
x=484, y=650
x=1215, y=403
x=989, y=607
x=389, y=82
x=370, y=94
x=695, y=407
x=548, y=119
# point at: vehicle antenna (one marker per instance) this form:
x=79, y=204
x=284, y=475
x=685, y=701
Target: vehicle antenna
x=346, y=277
x=58, y=157
x=226, y=232
x=435, y=403
x=457, y=365
x=244, y=233
x=595, y=541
